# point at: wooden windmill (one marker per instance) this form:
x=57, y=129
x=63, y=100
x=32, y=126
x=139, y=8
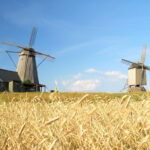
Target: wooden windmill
x=137, y=73
x=27, y=68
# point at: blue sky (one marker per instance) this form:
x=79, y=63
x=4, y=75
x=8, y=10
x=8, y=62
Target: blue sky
x=88, y=39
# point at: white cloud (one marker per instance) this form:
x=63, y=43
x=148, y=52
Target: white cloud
x=77, y=76
x=92, y=70
x=100, y=81
x=116, y=74
x=85, y=85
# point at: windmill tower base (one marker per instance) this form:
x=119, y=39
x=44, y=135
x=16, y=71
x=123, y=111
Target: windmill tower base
x=136, y=89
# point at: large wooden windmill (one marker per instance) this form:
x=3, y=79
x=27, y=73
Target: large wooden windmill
x=27, y=68
x=137, y=73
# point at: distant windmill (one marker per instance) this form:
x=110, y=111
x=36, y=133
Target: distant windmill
x=137, y=73
x=27, y=68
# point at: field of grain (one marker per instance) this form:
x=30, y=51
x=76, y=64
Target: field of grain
x=67, y=121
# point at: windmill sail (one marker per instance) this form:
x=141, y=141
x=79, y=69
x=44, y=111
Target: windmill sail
x=143, y=54
x=33, y=36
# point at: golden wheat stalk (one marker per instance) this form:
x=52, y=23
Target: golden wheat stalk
x=81, y=100
x=52, y=120
x=4, y=143
x=21, y=130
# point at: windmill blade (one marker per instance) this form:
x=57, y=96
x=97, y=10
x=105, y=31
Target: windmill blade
x=44, y=58
x=32, y=37
x=41, y=62
x=12, y=44
x=11, y=59
x=45, y=55
x=143, y=54
x=12, y=51
x=129, y=62
x=146, y=67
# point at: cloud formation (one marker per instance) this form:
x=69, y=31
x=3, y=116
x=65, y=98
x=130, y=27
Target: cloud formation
x=84, y=85
x=116, y=74
x=92, y=80
x=92, y=70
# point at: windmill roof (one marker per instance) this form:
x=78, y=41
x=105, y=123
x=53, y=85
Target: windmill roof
x=7, y=75
x=136, y=66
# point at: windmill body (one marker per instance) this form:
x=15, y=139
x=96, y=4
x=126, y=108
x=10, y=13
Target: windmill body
x=137, y=73
x=26, y=68
x=134, y=76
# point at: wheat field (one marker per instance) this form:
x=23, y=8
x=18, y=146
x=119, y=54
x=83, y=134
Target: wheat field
x=70, y=121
